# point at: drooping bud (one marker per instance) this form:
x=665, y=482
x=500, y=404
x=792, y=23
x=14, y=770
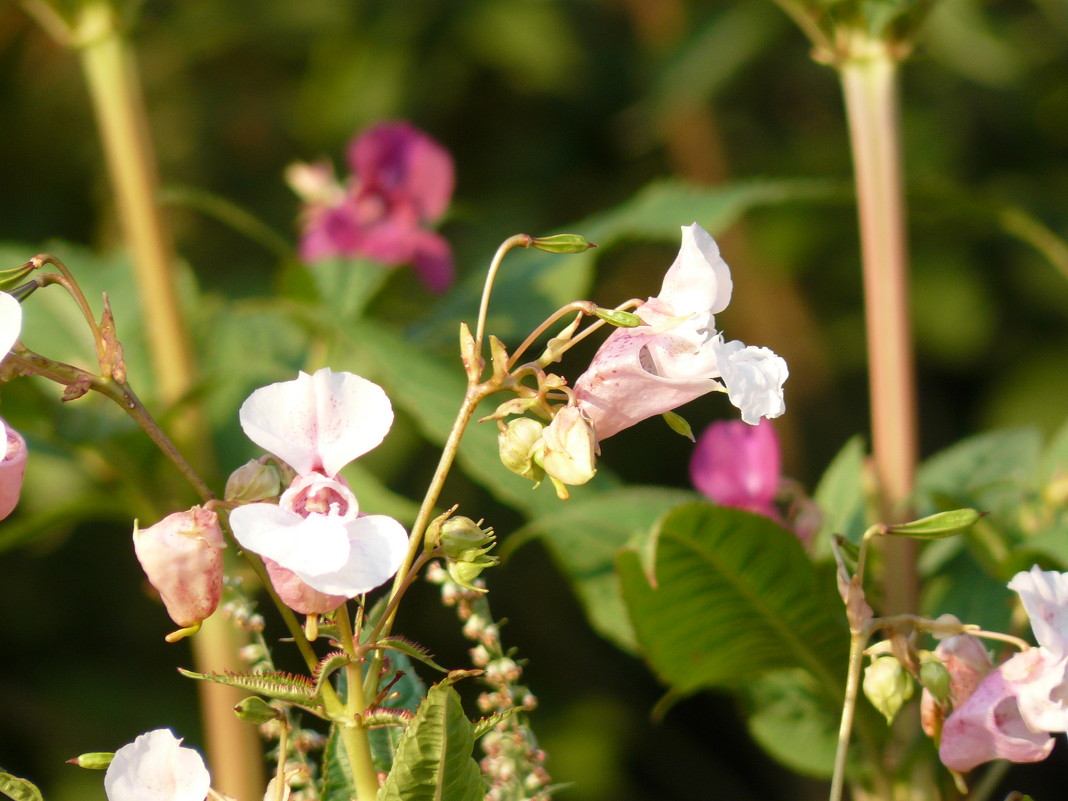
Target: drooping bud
x=934, y=677
x=95, y=760
x=460, y=535
x=464, y=571
x=256, y=480
x=255, y=710
x=12, y=468
x=619, y=318
x=182, y=557
x=569, y=449
x=517, y=444
x=887, y=686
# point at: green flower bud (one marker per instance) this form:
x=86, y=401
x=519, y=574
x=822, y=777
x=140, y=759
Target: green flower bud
x=11, y=279
x=254, y=481
x=255, y=710
x=887, y=686
x=618, y=318
x=518, y=443
x=562, y=243
x=460, y=536
x=466, y=571
x=934, y=677
x=94, y=760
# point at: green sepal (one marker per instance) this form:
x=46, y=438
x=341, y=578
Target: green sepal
x=281, y=686
x=937, y=526
x=486, y=725
x=619, y=318
x=19, y=789
x=335, y=660
x=678, y=424
x=10, y=279
x=255, y=710
x=94, y=760
x=409, y=648
x=562, y=243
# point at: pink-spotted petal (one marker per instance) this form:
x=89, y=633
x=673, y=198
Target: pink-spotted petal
x=377, y=545
x=315, y=543
x=318, y=422
x=1045, y=597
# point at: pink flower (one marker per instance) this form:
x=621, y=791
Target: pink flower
x=678, y=355
x=319, y=548
x=736, y=464
x=402, y=181
x=13, y=458
x=182, y=557
x=157, y=767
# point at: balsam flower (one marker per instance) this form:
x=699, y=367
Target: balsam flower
x=678, y=355
x=157, y=767
x=402, y=181
x=1012, y=711
x=739, y=465
x=320, y=549
x=13, y=456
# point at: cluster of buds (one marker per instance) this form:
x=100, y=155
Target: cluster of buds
x=895, y=668
x=513, y=765
x=565, y=450
x=465, y=546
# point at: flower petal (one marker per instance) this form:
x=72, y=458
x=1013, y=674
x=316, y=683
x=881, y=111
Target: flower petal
x=316, y=543
x=377, y=545
x=736, y=464
x=10, y=322
x=318, y=422
x=156, y=767
x=1045, y=597
x=297, y=595
x=699, y=281
x=432, y=261
x=753, y=377
x=12, y=468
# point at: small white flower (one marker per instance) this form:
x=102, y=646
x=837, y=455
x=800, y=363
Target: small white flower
x=156, y=767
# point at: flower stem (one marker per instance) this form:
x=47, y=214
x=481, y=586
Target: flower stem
x=869, y=82
x=522, y=240
x=354, y=736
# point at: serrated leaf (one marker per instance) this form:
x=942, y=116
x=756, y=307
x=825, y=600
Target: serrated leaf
x=936, y=526
x=434, y=759
x=338, y=783
x=335, y=660
x=734, y=596
x=281, y=686
x=19, y=789
x=486, y=725
x=410, y=649
x=584, y=537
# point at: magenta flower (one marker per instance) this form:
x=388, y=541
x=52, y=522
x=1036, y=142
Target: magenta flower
x=157, y=767
x=402, y=181
x=678, y=355
x=736, y=464
x=319, y=548
x=13, y=456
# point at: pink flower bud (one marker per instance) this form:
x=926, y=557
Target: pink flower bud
x=569, y=452
x=182, y=557
x=12, y=468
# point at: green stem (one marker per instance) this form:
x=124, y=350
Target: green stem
x=354, y=736
x=869, y=82
x=521, y=240
x=857, y=642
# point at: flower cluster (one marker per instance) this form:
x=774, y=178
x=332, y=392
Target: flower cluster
x=1012, y=711
x=402, y=181
x=318, y=547
x=678, y=355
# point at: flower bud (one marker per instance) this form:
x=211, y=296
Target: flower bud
x=467, y=568
x=887, y=686
x=182, y=557
x=253, y=481
x=517, y=443
x=569, y=450
x=255, y=710
x=562, y=243
x=934, y=677
x=95, y=760
x=460, y=535
x=12, y=469
x=619, y=318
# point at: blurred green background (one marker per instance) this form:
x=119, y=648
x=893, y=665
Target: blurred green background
x=554, y=112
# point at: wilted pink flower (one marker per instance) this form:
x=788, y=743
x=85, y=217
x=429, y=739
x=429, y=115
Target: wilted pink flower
x=322, y=548
x=157, y=767
x=13, y=458
x=678, y=355
x=569, y=449
x=736, y=464
x=182, y=557
x=402, y=181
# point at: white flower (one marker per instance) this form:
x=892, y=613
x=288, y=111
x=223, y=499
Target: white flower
x=156, y=767
x=678, y=354
x=318, y=424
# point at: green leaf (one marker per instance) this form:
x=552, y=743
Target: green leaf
x=793, y=721
x=409, y=649
x=840, y=495
x=729, y=595
x=938, y=525
x=404, y=696
x=19, y=789
x=584, y=538
x=434, y=759
x=281, y=686
x=338, y=783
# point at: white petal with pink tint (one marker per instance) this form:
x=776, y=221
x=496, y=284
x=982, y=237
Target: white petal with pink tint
x=313, y=544
x=156, y=767
x=1045, y=597
x=10, y=322
x=318, y=422
x=377, y=545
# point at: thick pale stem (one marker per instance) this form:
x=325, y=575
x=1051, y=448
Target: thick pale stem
x=857, y=643
x=869, y=81
x=353, y=736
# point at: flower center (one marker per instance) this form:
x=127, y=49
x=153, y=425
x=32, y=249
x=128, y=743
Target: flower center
x=317, y=494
